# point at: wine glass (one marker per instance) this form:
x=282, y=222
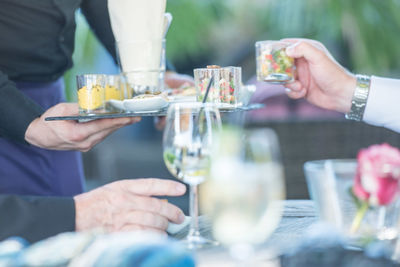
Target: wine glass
x=245, y=188
x=187, y=141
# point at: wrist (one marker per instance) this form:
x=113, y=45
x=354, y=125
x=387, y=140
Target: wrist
x=345, y=99
x=359, y=98
x=79, y=213
x=30, y=130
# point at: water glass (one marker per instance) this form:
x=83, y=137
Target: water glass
x=143, y=64
x=330, y=185
x=244, y=191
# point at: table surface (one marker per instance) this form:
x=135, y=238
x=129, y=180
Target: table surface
x=298, y=215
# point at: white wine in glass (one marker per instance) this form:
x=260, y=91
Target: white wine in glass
x=187, y=142
x=245, y=189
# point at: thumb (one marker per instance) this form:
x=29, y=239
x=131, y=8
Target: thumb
x=306, y=50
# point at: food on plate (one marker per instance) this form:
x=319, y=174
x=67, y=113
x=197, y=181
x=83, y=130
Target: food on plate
x=273, y=64
x=145, y=103
x=147, y=96
x=91, y=98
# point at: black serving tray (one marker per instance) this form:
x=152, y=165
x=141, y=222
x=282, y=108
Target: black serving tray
x=160, y=113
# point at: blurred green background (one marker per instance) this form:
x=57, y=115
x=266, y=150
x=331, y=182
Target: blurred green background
x=363, y=35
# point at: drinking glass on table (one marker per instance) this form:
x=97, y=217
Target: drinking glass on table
x=187, y=142
x=245, y=188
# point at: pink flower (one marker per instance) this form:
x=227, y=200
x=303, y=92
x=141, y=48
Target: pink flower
x=378, y=174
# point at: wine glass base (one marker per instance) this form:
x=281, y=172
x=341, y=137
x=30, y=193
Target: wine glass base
x=197, y=242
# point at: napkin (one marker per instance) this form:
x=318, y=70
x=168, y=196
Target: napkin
x=139, y=248
x=137, y=19
x=174, y=228
x=138, y=28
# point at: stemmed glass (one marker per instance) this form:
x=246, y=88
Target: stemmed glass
x=245, y=188
x=187, y=141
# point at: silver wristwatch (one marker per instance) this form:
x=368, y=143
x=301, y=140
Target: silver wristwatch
x=360, y=98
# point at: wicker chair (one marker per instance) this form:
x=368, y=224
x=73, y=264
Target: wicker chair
x=301, y=141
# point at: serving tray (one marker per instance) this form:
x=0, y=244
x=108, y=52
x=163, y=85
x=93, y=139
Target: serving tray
x=159, y=113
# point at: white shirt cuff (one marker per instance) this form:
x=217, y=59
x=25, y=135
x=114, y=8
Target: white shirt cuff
x=383, y=104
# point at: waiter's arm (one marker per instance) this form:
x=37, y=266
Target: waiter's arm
x=35, y=218
x=96, y=13
x=16, y=111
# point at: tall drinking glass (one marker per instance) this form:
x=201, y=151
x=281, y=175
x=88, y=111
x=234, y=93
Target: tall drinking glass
x=187, y=141
x=244, y=191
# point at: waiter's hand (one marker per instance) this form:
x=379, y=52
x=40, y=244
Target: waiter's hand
x=71, y=135
x=173, y=80
x=128, y=205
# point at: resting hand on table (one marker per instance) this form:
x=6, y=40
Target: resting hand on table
x=127, y=206
x=173, y=80
x=320, y=79
x=71, y=135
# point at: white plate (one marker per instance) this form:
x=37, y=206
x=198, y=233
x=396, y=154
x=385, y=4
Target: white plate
x=118, y=104
x=145, y=105
x=179, y=98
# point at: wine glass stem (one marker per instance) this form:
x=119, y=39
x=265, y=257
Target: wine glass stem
x=194, y=211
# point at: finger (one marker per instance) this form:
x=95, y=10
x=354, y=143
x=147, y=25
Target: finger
x=157, y=206
x=84, y=130
x=305, y=50
x=294, y=86
x=132, y=228
x=146, y=219
x=154, y=187
x=296, y=95
x=159, y=123
x=92, y=140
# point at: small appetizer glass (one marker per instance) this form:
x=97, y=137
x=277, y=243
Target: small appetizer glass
x=91, y=93
x=225, y=88
x=273, y=64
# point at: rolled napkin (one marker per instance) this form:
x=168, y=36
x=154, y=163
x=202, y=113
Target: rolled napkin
x=137, y=19
x=138, y=28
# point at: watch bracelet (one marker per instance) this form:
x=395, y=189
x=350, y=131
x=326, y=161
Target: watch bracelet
x=360, y=97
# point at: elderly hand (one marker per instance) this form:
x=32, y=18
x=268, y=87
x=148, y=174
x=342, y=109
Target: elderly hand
x=127, y=206
x=321, y=80
x=71, y=135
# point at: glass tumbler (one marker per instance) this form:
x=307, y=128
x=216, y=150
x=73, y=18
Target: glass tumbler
x=273, y=64
x=225, y=88
x=91, y=93
x=143, y=64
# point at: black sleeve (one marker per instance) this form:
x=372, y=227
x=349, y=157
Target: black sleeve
x=17, y=111
x=35, y=218
x=96, y=13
